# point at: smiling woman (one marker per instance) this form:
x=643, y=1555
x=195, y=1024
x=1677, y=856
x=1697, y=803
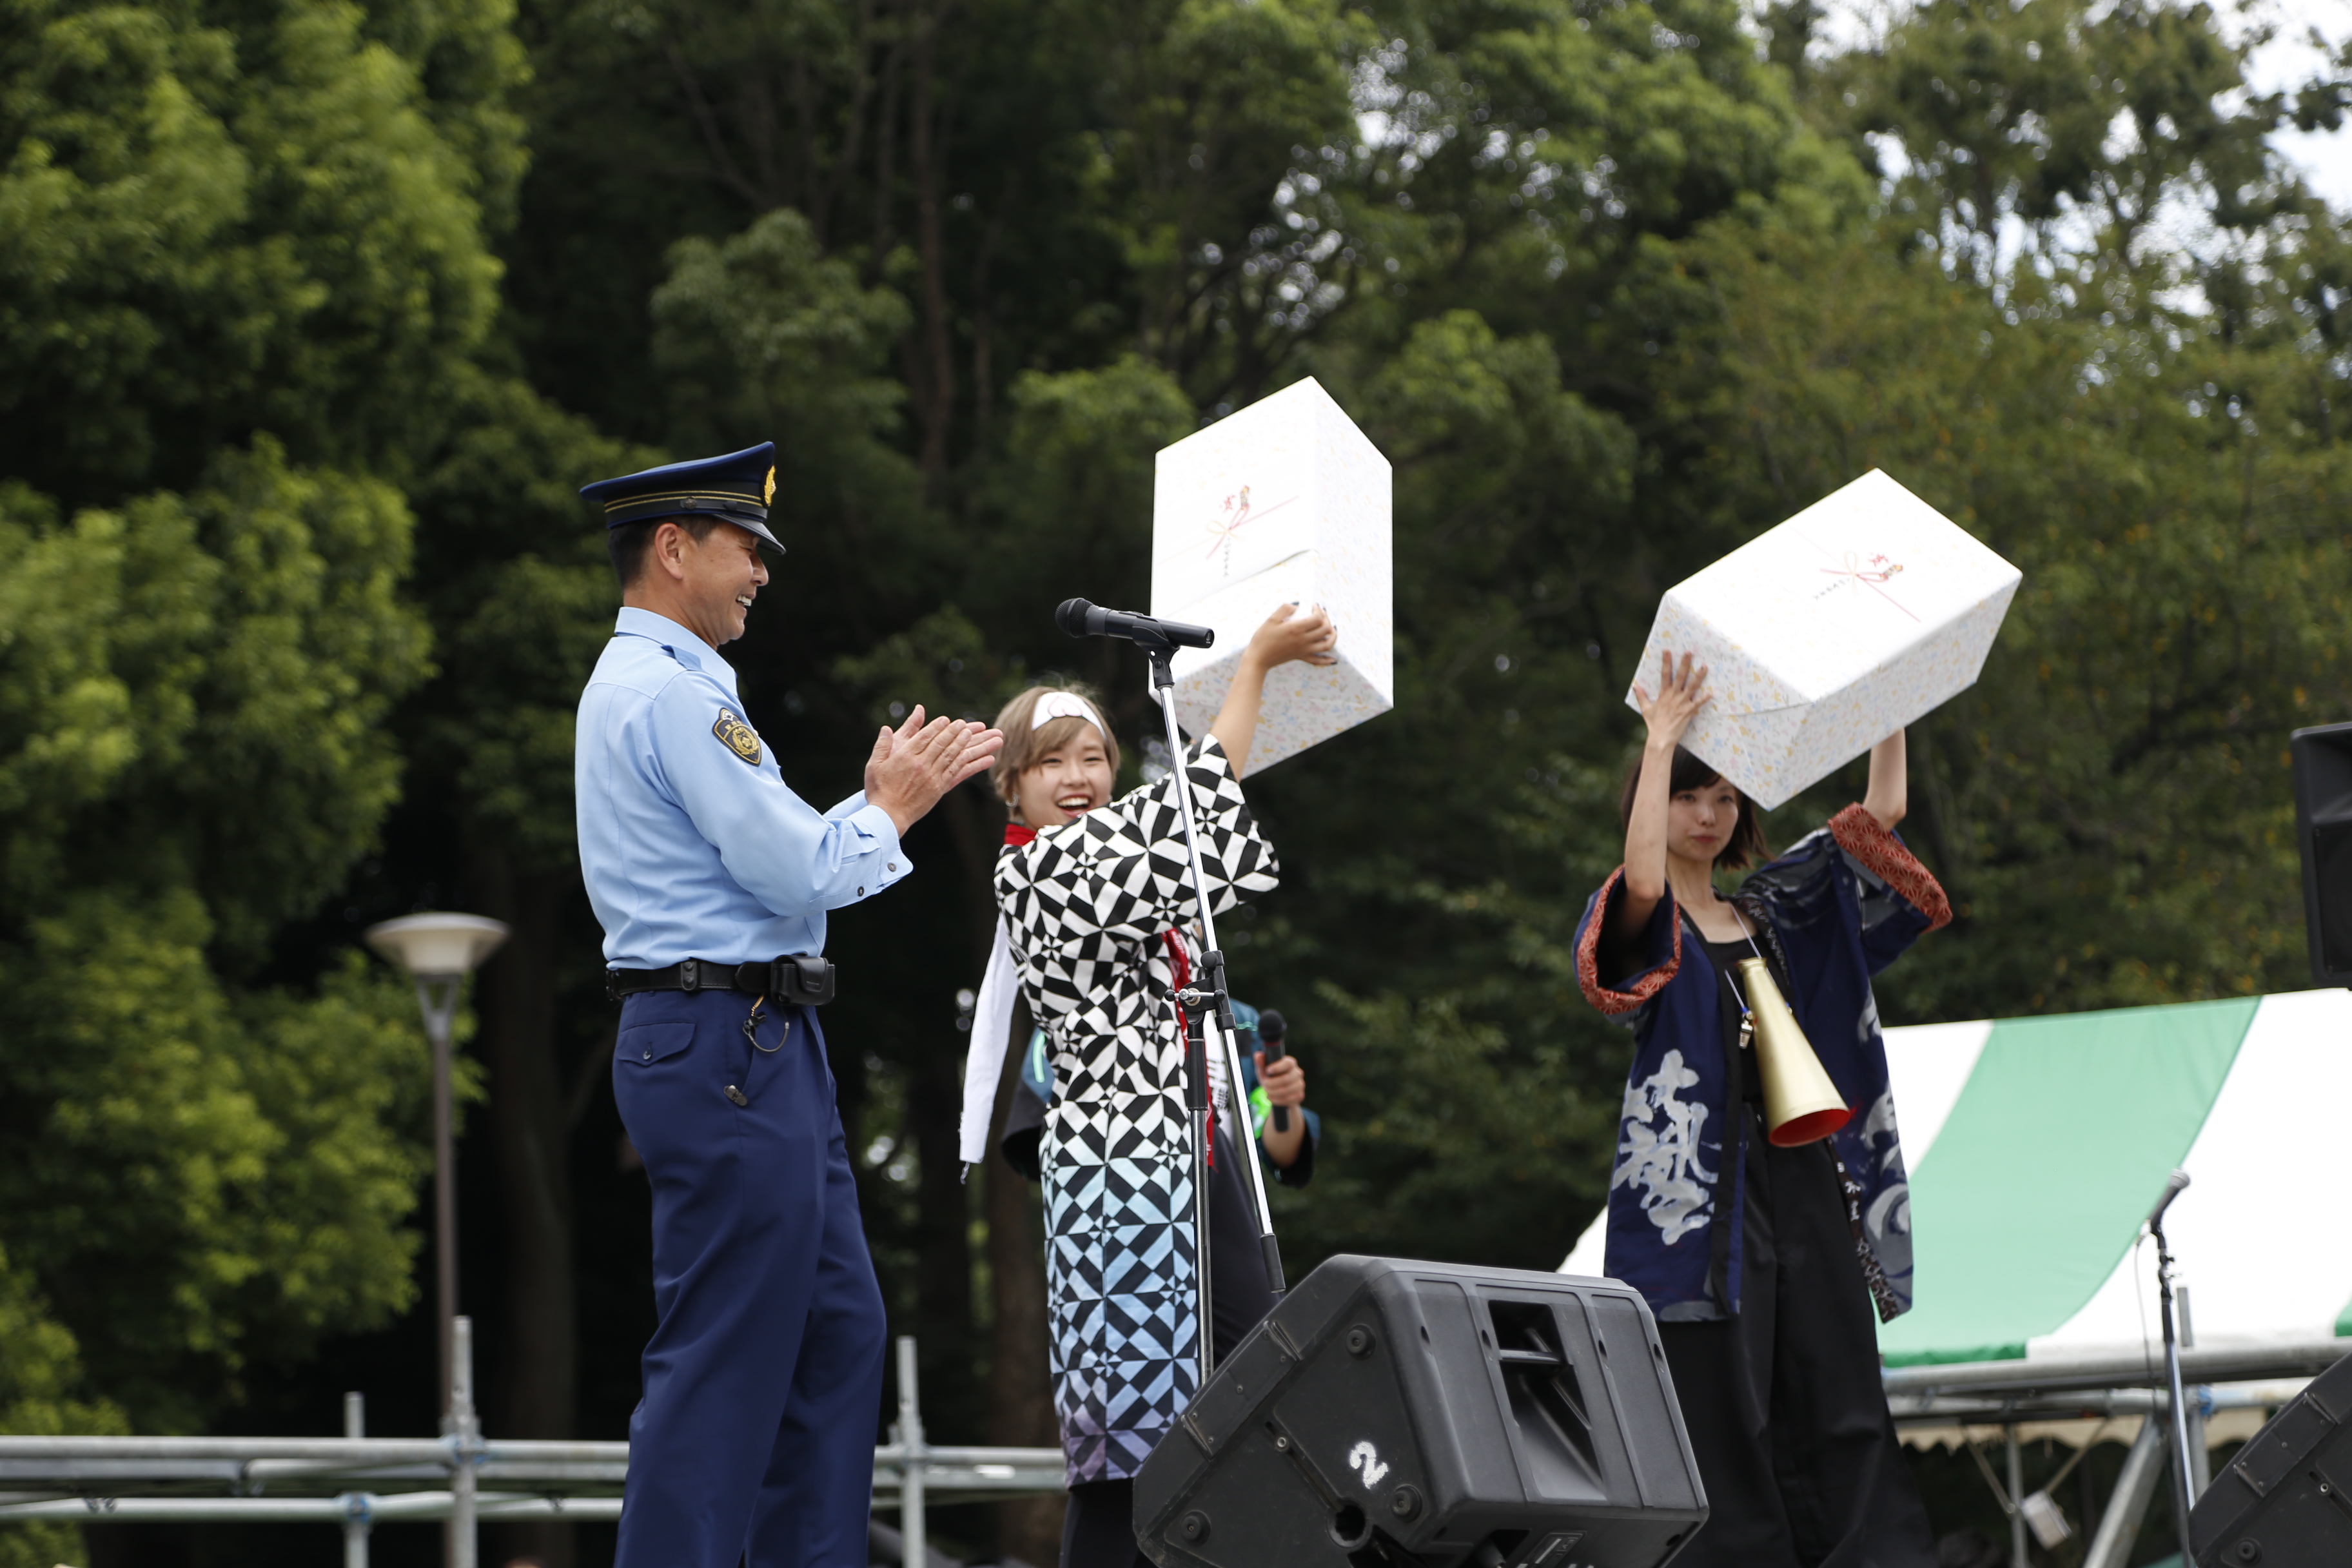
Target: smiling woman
x=1058, y=760
x=1098, y=926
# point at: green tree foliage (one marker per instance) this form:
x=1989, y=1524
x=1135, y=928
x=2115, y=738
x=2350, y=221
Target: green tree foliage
x=246, y=278
x=2075, y=130
x=764, y=332
x=519, y=597
x=40, y=1377
x=196, y=689
x=220, y=224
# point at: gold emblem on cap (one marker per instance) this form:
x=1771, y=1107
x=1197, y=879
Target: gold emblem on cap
x=738, y=737
x=768, y=495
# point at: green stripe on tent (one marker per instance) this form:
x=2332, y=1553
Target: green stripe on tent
x=2344, y=1321
x=2058, y=1144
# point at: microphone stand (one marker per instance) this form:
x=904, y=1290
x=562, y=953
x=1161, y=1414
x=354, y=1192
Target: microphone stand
x=2182, y=1500
x=1207, y=994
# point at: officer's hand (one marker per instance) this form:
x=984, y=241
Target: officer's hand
x=911, y=767
x=885, y=741
x=980, y=749
x=1284, y=1080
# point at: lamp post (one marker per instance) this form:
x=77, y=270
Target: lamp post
x=438, y=950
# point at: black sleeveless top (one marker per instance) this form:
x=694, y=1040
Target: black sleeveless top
x=1724, y=955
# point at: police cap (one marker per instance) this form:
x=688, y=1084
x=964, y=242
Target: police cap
x=734, y=489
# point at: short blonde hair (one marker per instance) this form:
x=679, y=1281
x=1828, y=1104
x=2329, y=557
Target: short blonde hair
x=1024, y=746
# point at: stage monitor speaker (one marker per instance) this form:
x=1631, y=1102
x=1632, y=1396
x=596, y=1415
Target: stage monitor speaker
x=1397, y=1415
x=2286, y=1499
x=2322, y=827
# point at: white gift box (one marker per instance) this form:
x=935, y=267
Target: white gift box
x=1862, y=613
x=1284, y=501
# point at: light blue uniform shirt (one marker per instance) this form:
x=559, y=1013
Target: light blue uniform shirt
x=691, y=842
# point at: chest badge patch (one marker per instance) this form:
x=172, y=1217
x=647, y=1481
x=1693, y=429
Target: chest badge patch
x=738, y=737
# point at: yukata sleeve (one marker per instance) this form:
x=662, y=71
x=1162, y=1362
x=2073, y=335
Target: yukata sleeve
x=1625, y=998
x=1052, y=900
x=1043, y=917
x=1154, y=887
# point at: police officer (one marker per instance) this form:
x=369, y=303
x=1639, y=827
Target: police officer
x=763, y=1381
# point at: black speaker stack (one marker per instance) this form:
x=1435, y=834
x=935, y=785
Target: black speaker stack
x=1397, y=1415
x=2286, y=1501
x=2323, y=822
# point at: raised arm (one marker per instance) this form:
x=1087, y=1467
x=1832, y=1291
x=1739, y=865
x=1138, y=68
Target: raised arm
x=1285, y=635
x=1681, y=694
x=1889, y=799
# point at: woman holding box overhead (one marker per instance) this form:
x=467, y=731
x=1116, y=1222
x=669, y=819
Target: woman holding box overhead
x=1098, y=911
x=1763, y=1249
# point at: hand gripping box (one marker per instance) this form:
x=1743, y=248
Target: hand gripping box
x=1865, y=611
x=1286, y=500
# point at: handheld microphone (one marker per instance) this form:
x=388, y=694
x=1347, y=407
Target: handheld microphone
x=1081, y=619
x=1270, y=1030
x=2173, y=1186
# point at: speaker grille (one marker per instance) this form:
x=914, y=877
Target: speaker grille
x=1547, y=1399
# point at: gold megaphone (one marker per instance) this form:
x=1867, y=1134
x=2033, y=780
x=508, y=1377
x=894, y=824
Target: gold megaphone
x=1801, y=1104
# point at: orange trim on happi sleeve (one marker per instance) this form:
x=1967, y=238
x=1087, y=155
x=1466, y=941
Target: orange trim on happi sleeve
x=1858, y=833
x=1588, y=959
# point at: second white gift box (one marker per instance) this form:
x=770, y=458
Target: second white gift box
x=1862, y=613
x=1284, y=501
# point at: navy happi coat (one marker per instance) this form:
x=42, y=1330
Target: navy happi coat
x=1840, y=906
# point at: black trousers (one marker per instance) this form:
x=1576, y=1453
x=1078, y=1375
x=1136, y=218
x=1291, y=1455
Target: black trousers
x=1786, y=1413
x=1098, y=1531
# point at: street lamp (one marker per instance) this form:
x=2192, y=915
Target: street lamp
x=439, y=950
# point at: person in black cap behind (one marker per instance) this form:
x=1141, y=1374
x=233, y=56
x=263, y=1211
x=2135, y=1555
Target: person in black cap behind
x=753, y=1441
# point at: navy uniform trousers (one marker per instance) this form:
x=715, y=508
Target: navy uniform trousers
x=754, y=1440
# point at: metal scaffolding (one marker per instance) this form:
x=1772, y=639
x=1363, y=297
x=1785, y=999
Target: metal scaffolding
x=357, y=1482
x=2008, y=1394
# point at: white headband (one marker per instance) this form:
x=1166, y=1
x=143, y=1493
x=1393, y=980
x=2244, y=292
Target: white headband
x=1065, y=705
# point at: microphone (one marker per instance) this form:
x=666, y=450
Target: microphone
x=1270, y=1030
x=2176, y=1184
x=1081, y=619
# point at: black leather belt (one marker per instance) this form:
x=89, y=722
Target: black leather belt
x=794, y=978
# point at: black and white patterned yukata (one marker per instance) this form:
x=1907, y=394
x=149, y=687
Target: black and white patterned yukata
x=1086, y=906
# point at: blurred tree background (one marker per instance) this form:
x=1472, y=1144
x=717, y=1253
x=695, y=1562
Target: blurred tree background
x=313, y=316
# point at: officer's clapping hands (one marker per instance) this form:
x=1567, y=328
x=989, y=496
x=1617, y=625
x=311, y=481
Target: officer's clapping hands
x=917, y=763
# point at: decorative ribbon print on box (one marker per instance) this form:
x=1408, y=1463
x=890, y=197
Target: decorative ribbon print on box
x=1861, y=613
x=1286, y=500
